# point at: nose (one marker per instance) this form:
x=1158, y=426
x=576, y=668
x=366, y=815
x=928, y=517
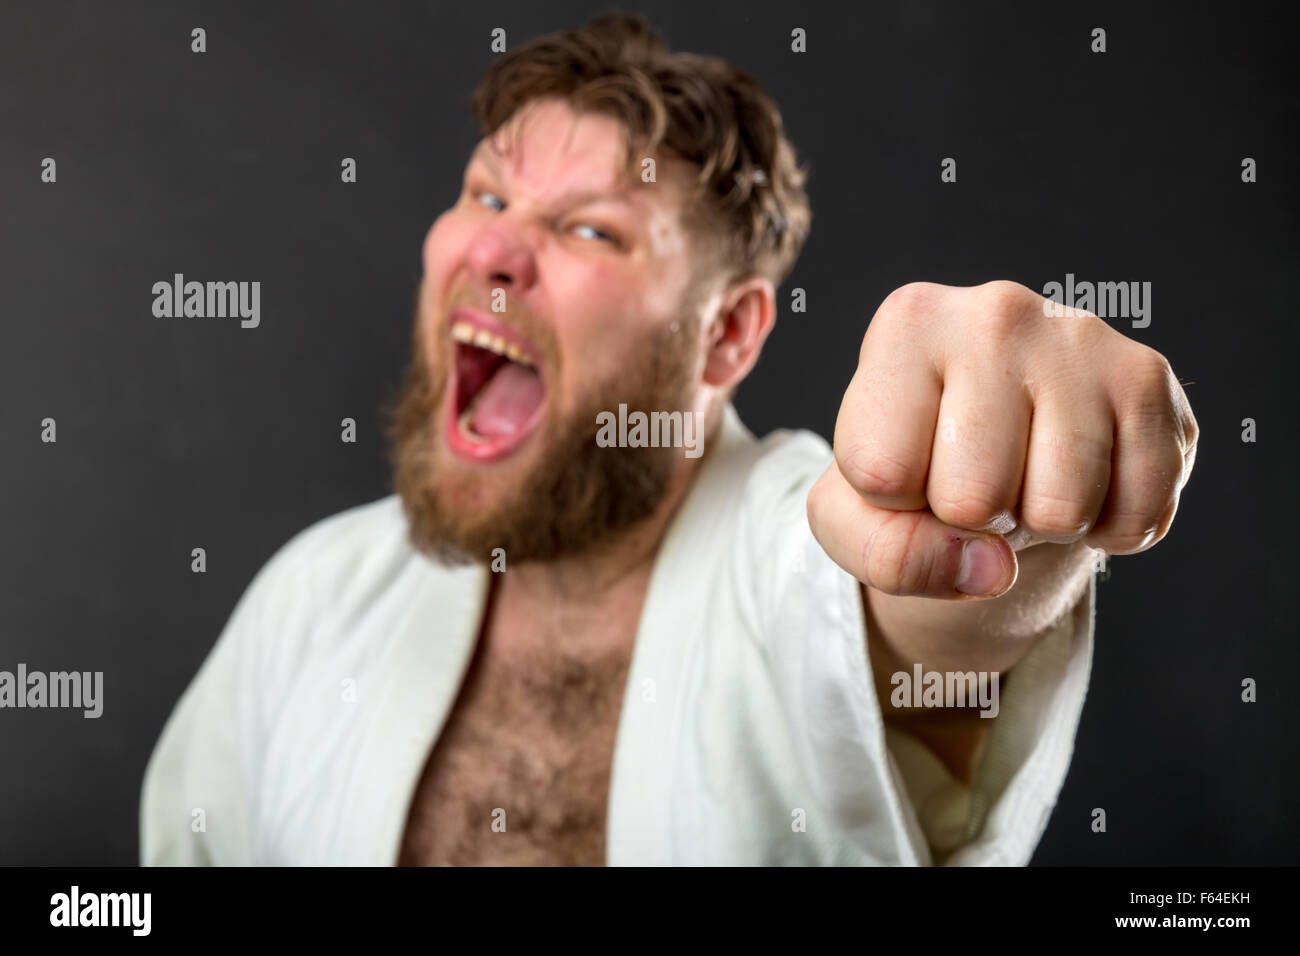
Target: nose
x=500, y=257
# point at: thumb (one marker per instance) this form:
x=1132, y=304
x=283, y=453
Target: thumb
x=906, y=552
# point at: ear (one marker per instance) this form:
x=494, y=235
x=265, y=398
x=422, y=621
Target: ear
x=739, y=328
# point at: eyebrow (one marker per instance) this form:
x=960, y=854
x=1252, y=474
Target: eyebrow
x=574, y=197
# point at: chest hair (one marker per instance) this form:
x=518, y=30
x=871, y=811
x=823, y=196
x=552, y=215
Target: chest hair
x=520, y=773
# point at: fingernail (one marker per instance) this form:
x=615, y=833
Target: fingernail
x=981, y=569
x=1004, y=522
x=1019, y=537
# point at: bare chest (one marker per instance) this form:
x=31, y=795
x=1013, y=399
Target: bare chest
x=520, y=774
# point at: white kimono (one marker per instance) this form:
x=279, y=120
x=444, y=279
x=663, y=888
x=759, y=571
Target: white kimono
x=750, y=732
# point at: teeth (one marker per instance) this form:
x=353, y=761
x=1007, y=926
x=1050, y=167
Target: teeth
x=482, y=338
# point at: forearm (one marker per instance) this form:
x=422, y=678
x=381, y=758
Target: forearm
x=959, y=636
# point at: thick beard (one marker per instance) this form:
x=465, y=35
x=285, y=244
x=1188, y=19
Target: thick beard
x=577, y=496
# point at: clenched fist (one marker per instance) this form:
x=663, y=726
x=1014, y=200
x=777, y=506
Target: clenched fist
x=976, y=426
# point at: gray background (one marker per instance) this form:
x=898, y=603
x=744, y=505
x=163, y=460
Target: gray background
x=182, y=433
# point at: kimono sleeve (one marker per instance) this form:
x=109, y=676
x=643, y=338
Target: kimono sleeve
x=882, y=790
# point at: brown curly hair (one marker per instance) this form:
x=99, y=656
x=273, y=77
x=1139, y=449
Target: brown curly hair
x=748, y=209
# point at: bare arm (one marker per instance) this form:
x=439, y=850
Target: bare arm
x=989, y=636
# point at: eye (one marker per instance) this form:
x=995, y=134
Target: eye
x=482, y=195
x=598, y=234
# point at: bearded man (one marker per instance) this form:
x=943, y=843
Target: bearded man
x=547, y=648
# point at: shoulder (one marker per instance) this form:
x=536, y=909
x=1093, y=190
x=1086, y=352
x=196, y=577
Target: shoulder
x=333, y=538
x=362, y=542
x=266, y=667
x=323, y=580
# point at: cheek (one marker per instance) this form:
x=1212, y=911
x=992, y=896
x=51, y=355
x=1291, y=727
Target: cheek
x=446, y=238
x=602, y=322
x=665, y=288
x=609, y=314
x=608, y=302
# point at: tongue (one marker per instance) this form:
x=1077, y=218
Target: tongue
x=507, y=401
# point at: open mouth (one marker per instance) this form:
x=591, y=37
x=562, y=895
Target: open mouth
x=498, y=394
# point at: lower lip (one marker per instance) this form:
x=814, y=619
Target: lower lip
x=487, y=449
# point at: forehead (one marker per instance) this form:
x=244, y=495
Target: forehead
x=550, y=151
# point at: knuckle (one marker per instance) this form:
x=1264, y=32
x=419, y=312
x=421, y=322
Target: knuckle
x=873, y=472
x=1055, y=514
x=1158, y=374
x=1130, y=532
x=1148, y=377
x=1169, y=467
x=1188, y=429
x=1191, y=431
x=1191, y=437
x=1005, y=293
x=967, y=502
x=912, y=297
x=1003, y=305
x=1082, y=335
